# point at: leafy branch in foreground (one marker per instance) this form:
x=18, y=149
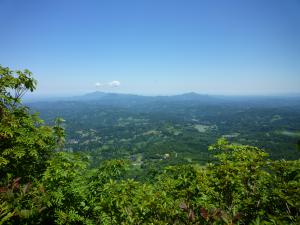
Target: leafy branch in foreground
x=25, y=142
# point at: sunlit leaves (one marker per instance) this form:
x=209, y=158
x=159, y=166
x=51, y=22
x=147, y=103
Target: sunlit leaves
x=236, y=189
x=13, y=85
x=5, y=213
x=25, y=143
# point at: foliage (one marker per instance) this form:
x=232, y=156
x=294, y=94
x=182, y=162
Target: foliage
x=13, y=85
x=5, y=213
x=39, y=185
x=25, y=142
x=145, y=131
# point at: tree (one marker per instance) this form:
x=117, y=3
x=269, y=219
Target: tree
x=25, y=142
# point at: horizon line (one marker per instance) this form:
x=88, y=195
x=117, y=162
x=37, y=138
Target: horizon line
x=33, y=96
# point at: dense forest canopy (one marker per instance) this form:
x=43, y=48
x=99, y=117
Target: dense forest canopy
x=146, y=128
x=143, y=166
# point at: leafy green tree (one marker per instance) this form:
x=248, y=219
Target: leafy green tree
x=25, y=143
x=242, y=181
x=285, y=191
x=250, y=186
x=65, y=184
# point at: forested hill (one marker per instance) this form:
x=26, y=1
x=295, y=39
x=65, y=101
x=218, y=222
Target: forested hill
x=145, y=127
x=107, y=98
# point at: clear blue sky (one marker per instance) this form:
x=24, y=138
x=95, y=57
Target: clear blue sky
x=154, y=46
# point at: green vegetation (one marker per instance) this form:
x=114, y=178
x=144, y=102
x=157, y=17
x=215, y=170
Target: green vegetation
x=42, y=183
x=117, y=127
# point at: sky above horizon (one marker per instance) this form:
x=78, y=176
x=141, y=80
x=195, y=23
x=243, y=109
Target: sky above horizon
x=154, y=46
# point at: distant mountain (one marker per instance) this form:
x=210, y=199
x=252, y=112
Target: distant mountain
x=104, y=95
x=104, y=98
x=191, y=96
x=127, y=100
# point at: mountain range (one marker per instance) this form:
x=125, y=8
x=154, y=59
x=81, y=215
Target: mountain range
x=106, y=98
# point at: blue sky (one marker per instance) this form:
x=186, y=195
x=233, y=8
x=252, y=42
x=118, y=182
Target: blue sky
x=154, y=46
